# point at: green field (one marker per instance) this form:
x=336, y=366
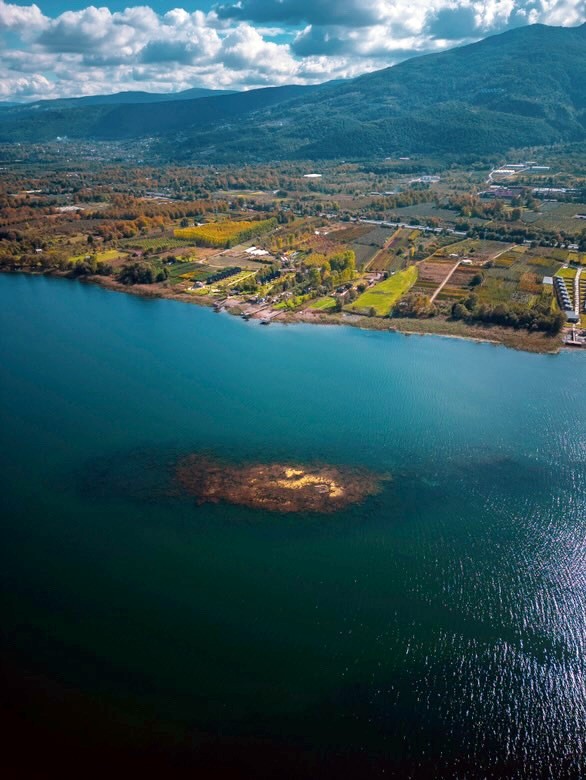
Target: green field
x=323, y=304
x=383, y=296
x=101, y=257
x=193, y=271
x=567, y=273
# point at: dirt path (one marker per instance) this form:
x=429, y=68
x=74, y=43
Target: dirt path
x=445, y=281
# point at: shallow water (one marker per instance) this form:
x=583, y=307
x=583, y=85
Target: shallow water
x=436, y=629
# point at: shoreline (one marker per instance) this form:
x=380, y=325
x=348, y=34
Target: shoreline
x=521, y=340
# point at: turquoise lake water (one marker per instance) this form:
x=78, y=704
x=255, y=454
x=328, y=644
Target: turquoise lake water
x=436, y=630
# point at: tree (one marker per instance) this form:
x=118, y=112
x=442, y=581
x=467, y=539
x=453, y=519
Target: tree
x=459, y=311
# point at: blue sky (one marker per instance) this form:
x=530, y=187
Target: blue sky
x=60, y=48
x=56, y=7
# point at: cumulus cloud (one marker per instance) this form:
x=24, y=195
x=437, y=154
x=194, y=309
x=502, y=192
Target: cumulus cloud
x=18, y=17
x=240, y=44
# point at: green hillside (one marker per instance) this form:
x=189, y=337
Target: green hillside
x=523, y=87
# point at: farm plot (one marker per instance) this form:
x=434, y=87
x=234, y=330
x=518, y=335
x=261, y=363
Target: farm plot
x=226, y=233
x=539, y=264
x=508, y=258
x=197, y=272
x=323, y=304
x=478, y=251
x=364, y=253
x=459, y=285
x=494, y=290
x=113, y=257
x=377, y=236
x=396, y=251
x=557, y=216
x=155, y=244
x=515, y=277
x=425, y=211
x=387, y=260
x=384, y=249
x=347, y=235
x=381, y=298
x=432, y=273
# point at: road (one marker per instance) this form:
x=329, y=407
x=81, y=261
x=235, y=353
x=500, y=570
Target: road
x=577, y=291
x=386, y=223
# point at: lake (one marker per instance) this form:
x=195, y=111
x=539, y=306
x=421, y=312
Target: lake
x=436, y=629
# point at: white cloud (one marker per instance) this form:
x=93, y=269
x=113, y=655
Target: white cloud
x=25, y=21
x=97, y=50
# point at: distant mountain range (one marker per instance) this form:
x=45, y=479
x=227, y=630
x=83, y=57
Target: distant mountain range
x=524, y=87
x=129, y=98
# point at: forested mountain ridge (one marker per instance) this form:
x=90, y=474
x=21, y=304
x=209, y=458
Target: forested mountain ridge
x=524, y=87
x=131, y=97
x=45, y=121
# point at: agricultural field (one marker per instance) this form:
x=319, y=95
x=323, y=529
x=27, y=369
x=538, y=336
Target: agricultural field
x=397, y=251
x=323, y=304
x=347, y=235
x=382, y=297
x=155, y=243
x=556, y=216
x=432, y=272
x=226, y=233
x=515, y=277
x=460, y=285
x=425, y=211
x=369, y=243
x=479, y=251
x=566, y=273
x=376, y=236
x=560, y=255
x=387, y=261
x=196, y=272
x=364, y=253
x=232, y=280
x=102, y=257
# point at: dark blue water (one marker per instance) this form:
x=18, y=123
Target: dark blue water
x=436, y=630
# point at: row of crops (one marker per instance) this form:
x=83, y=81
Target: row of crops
x=225, y=234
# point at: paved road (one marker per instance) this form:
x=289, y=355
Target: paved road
x=386, y=223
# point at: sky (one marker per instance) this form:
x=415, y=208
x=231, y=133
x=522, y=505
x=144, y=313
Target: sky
x=67, y=48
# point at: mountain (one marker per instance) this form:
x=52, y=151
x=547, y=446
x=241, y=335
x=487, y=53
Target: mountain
x=524, y=87
x=129, y=98
x=45, y=121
